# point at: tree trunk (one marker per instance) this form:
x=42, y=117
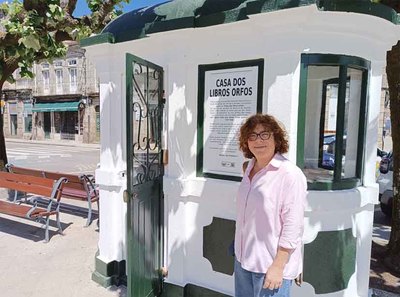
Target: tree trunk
x=3, y=152
x=392, y=259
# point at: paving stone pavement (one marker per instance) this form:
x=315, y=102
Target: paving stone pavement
x=62, y=267
x=380, y=293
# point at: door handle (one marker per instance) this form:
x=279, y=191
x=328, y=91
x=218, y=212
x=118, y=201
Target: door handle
x=126, y=196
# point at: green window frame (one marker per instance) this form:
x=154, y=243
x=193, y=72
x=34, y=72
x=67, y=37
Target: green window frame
x=343, y=63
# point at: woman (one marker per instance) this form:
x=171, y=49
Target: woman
x=270, y=212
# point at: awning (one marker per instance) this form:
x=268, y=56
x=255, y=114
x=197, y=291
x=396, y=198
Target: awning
x=58, y=106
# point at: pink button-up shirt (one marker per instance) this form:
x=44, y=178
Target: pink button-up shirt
x=270, y=213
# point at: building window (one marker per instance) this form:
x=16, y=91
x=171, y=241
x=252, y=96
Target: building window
x=72, y=62
x=73, y=80
x=46, y=80
x=12, y=111
x=58, y=64
x=332, y=120
x=28, y=117
x=59, y=81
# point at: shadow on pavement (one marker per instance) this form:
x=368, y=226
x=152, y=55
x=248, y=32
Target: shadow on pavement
x=380, y=277
x=29, y=230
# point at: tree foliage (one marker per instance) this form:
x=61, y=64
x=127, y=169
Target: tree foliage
x=32, y=30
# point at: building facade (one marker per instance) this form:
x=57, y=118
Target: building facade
x=61, y=102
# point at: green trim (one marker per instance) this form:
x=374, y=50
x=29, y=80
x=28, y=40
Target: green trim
x=129, y=170
x=301, y=119
x=362, y=131
x=217, y=238
x=170, y=25
x=178, y=14
x=362, y=7
x=344, y=62
x=344, y=184
x=57, y=106
x=189, y=290
x=223, y=17
x=200, y=107
x=111, y=273
x=340, y=118
x=97, y=39
x=330, y=261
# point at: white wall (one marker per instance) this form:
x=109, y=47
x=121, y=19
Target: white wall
x=191, y=202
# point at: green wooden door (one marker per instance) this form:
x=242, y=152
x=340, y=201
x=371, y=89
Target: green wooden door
x=144, y=193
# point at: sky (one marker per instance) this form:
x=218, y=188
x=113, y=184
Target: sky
x=82, y=8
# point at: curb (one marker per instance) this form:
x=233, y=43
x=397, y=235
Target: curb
x=54, y=142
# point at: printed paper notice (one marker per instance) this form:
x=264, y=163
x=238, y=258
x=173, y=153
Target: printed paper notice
x=230, y=98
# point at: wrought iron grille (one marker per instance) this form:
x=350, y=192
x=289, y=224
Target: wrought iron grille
x=147, y=115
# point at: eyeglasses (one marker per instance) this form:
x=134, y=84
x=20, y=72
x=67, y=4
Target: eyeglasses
x=264, y=135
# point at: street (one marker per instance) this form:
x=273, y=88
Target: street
x=53, y=157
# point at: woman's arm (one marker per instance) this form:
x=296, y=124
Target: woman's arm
x=294, y=191
x=274, y=276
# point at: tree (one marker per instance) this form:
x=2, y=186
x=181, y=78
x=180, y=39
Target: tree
x=392, y=258
x=33, y=30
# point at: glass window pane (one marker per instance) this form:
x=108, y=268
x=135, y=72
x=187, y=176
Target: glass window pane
x=28, y=123
x=351, y=122
x=321, y=109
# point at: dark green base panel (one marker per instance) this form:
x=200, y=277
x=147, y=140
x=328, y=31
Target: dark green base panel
x=190, y=290
x=217, y=240
x=330, y=261
x=109, y=274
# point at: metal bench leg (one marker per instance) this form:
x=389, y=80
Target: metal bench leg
x=89, y=218
x=59, y=223
x=47, y=230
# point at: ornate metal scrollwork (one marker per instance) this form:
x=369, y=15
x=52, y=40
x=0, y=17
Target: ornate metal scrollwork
x=147, y=112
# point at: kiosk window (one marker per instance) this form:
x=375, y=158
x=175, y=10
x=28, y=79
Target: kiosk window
x=333, y=103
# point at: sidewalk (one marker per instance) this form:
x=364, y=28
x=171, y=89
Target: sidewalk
x=54, y=142
x=62, y=267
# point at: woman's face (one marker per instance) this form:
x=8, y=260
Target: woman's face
x=261, y=142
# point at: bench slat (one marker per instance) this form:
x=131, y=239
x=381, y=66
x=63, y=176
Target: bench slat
x=25, y=187
x=27, y=179
x=19, y=210
x=26, y=171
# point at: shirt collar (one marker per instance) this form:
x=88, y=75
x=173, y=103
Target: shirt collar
x=277, y=160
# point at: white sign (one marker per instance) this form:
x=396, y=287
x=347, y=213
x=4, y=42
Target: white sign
x=230, y=97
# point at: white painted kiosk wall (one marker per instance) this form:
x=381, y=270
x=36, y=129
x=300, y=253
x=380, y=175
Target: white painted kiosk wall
x=318, y=62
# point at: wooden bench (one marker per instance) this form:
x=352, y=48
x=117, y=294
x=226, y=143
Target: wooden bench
x=79, y=187
x=48, y=188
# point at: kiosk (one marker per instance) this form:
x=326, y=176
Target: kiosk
x=176, y=81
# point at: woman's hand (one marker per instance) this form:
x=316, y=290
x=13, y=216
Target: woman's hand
x=273, y=277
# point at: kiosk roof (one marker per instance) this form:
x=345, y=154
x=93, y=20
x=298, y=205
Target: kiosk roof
x=181, y=14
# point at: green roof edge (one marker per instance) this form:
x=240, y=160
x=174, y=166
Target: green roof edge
x=238, y=14
x=97, y=39
x=362, y=7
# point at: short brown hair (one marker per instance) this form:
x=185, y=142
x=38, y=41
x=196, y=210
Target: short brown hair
x=272, y=125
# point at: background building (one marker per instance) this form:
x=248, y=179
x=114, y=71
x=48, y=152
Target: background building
x=61, y=102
